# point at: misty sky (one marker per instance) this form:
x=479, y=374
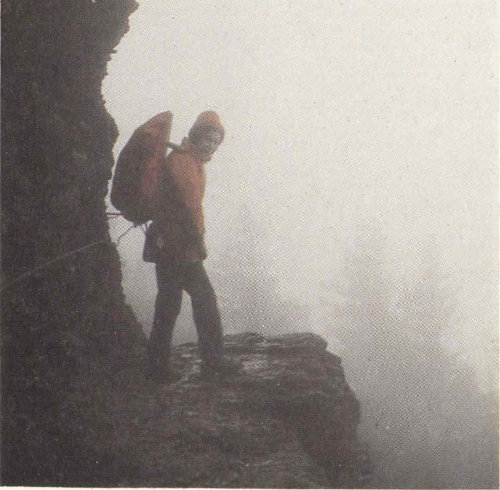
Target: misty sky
x=338, y=114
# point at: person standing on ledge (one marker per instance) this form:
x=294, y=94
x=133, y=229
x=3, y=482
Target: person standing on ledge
x=175, y=243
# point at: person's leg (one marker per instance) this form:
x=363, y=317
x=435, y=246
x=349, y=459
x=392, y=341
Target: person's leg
x=205, y=312
x=167, y=307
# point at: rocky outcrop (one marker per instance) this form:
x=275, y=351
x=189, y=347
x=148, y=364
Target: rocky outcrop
x=288, y=420
x=75, y=407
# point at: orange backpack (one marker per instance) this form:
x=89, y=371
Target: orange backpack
x=136, y=180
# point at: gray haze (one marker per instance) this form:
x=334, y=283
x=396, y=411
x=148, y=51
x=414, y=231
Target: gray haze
x=355, y=130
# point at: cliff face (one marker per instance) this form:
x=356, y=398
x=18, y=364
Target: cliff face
x=75, y=408
x=66, y=329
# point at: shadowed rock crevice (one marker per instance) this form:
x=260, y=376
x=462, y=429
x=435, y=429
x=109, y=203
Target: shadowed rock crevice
x=75, y=407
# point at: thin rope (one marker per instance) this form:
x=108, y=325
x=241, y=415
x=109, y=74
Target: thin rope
x=63, y=256
x=123, y=234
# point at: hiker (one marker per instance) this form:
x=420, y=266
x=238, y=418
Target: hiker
x=175, y=243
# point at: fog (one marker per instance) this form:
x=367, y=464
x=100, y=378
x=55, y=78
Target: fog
x=354, y=195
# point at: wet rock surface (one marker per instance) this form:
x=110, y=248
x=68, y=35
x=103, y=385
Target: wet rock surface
x=287, y=420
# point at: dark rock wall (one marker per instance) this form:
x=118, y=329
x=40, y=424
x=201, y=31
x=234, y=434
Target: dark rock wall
x=68, y=320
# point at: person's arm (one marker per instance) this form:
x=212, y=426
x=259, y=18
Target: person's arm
x=186, y=193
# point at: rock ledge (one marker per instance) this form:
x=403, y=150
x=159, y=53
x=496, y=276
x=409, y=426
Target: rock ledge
x=288, y=421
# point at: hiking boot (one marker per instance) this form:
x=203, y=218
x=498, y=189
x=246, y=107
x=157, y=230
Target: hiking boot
x=222, y=367
x=162, y=376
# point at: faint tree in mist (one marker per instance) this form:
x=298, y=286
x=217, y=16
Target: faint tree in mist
x=249, y=288
x=426, y=421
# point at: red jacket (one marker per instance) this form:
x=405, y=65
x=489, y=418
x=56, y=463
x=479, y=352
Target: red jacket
x=177, y=231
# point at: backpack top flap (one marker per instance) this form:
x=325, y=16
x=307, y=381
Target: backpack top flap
x=136, y=178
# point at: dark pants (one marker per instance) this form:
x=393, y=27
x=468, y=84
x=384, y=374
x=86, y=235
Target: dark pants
x=172, y=279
